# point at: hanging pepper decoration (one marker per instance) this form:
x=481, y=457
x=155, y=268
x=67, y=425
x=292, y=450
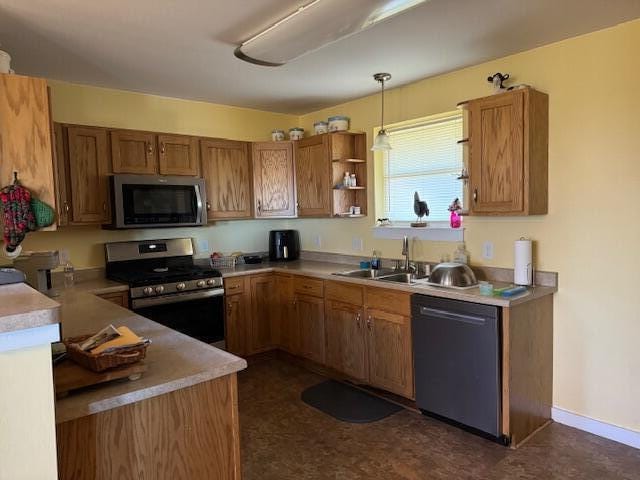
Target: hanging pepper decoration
x=15, y=202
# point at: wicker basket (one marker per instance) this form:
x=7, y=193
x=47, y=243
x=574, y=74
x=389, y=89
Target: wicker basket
x=104, y=361
x=223, y=262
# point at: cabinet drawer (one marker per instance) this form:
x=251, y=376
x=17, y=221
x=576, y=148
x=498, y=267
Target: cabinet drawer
x=233, y=285
x=119, y=298
x=345, y=292
x=308, y=286
x=389, y=300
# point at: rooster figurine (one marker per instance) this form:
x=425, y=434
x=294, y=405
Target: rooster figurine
x=421, y=209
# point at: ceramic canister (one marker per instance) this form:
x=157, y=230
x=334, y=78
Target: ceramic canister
x=277, y=135
x=296, y=133
x=338, y=123
x=320, y=127
x=5, y=62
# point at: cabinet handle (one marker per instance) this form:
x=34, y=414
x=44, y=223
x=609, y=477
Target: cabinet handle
x=229, y=305
x=208, y=206
x=162, y=148
x=259, y=207
x=104, y=206
x=475, y=195
x=369, y=322
x=66, y=206
x=358, y=320
x=150, y=148
x=233, y=287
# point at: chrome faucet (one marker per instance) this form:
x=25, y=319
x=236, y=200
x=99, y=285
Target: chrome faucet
x=405, y=252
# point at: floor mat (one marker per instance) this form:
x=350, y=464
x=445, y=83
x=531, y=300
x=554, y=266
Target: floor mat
x=347, y=403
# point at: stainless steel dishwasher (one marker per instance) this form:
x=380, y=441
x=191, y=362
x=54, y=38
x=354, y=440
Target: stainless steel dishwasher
x=456, y=349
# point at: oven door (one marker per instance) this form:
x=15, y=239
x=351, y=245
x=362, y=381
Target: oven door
x=156, y=201
x=198, y=314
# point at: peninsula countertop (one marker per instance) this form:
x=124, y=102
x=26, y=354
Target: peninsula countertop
x=174, y=360
x=22, y=307
x=326, y=271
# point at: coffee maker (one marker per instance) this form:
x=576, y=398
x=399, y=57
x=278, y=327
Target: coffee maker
x=37, y=268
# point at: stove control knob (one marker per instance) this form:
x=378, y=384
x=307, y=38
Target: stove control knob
x=181, y=286
x=211, y=281
x=159, y=289
x=200, y=283
x=147, y=291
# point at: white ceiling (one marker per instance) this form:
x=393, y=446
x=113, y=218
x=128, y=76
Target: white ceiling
x=184, y=48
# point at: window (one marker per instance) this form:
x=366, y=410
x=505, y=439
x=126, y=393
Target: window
x=426, y=158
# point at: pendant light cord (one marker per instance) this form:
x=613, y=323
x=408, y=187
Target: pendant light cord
x=382, y=116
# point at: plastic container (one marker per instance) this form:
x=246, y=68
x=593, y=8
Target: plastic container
x=296, y=133
x=338, y=123
x=346, y=180
x=69, y=275
x=461, y=255
x=375, y=260
x=486, y=288
x=352, y=180
x=320, y=127
x=277, y=135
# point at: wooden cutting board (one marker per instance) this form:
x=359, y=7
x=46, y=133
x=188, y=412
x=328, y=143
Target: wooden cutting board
x=68, y=375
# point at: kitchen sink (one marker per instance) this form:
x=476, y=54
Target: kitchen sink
x=370, y=273
x=399, y=278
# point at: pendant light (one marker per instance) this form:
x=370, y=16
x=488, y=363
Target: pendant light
x=381, y=142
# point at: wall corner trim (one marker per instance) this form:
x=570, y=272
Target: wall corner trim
x=597, y=427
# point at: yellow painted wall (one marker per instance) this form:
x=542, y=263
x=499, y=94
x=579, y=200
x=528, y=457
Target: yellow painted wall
x=86, y=105
x=26, y=404
x=594, y=187
x=591, y=235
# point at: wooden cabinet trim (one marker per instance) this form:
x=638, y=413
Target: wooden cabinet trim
x=344, y=292
x=309, y=286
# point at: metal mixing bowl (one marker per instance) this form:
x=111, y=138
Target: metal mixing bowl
x=452, y=274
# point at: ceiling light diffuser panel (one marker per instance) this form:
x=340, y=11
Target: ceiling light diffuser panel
x=316, y=24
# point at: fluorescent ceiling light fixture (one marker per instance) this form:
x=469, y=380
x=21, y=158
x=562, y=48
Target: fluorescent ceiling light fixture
x=314, y=25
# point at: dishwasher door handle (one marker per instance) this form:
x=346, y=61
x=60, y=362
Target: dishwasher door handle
x=458, y=317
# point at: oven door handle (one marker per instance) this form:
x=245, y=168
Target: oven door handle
x=175, y=298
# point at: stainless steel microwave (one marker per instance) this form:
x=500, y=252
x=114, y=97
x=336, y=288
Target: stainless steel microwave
x=148, y=201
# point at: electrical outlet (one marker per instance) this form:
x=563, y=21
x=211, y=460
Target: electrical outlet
x=318, y=241
x=356, y=244
x=203, y=246
x=487, y=250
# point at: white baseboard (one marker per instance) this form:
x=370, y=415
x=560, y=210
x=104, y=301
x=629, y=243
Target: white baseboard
x=602, y=429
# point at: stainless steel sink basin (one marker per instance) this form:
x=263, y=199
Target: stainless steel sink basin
x=398, y=278
x=371, y=273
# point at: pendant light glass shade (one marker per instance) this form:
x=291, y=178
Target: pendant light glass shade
x=381, y=142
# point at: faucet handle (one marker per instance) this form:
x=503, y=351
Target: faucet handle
x=398, y=265
x=412, y=267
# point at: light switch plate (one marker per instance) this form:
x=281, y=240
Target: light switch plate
x=203, y=246
x=318, y=241
x=357, y=244
x=487, y=250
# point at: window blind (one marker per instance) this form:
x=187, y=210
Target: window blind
x=426, y=159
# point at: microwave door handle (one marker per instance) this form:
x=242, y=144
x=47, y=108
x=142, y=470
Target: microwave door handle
x=198, y=205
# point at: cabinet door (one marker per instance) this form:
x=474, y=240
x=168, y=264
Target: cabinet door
x=310, y=316
x=61, y=175
x=263, y=313
x=273, y=179
x=287, y=334
x=178, y=155
x=390, y=352
x=25, y=136
x=133, y=152
x=496, y=155
x=236, y=323
x=88, y=167
x=226, y=168
x=346, y=348
x=313, y=176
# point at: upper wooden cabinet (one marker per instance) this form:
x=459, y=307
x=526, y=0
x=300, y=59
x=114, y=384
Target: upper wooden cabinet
x=86, y=167
x=313, y=176
x=508, y=153
x=321, y=162
x=25, y=136
x=273, y=179
x=133, y=152
x=178, y=155
x=226, y=168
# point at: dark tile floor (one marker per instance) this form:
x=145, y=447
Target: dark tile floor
x=283, y=438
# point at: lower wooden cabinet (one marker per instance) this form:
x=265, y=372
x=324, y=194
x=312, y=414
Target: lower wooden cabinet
x=389, y=352
x=346, y=346
x=286, y=331
x=119, y=298
x=309, y=314
x=263, y=313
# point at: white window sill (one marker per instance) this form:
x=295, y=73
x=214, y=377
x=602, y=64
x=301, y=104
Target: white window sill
x=434, y=231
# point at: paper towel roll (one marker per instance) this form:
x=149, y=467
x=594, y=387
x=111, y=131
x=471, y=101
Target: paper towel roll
x=523, y=263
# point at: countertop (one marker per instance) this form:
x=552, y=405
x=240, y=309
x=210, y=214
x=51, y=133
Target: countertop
x=174, y=360
x=22, y=307
x=325, y=270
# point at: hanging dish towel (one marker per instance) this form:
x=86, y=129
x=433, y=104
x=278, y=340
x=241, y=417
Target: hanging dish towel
x=15, y=202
